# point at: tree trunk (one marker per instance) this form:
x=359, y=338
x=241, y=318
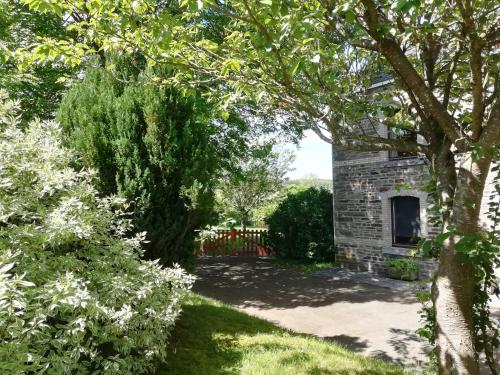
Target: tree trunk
x=453, y=287
x=244, y=221
x=453, y=302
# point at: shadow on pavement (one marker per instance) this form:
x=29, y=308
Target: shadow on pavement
x=255, y=282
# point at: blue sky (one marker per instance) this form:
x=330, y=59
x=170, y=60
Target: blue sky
x=313, y=156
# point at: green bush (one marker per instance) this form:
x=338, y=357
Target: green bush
x=403, y=265
x=153, y=146
x=302, y=226
x=75, y=296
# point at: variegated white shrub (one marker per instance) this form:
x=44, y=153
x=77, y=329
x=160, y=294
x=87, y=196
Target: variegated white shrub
x=75, y=296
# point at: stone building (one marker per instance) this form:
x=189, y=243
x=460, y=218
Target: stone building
x=380, y=209
x=375, y=217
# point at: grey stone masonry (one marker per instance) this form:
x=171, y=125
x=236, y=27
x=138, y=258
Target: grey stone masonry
x=363, y=185
x=363, y=188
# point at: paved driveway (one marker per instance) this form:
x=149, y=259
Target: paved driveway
x=373, y=320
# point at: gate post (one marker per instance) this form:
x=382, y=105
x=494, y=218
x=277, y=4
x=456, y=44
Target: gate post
x=233, y=234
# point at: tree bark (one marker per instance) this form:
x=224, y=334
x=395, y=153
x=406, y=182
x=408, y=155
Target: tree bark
x=453, y=302
x=453, y=287
x=244, y=220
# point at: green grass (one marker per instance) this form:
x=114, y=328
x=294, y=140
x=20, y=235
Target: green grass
x=297, y=265
x=212, y=338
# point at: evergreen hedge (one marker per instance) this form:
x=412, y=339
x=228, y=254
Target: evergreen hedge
x=301, y=228
x=150, y=144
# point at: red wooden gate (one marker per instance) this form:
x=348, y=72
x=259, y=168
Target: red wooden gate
x=236, y=242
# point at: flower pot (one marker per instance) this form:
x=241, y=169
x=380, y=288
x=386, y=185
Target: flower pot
x=395, y=273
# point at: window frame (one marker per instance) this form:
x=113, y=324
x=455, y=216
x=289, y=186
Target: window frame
x=392, y=201
x=396, y=155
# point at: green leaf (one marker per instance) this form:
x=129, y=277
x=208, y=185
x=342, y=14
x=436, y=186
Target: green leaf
x=229, y=66
x=477, y=153
x=299, y=65
x=407, y=5
x=426, y=247
x=441, y=237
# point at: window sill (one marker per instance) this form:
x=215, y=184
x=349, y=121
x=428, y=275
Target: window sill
x=395, y=250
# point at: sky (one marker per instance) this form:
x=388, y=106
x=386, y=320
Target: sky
x=313, y=156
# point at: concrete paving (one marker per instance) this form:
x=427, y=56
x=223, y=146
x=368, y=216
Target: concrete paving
x=374, y=320
x=338, y=273
x=366, y=313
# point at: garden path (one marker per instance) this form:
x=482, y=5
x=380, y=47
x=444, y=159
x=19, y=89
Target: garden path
x=374, y=320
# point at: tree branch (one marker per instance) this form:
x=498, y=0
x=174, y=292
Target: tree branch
x=491, y=132
x=476, y=64
x=405, y=70
x=449, y=77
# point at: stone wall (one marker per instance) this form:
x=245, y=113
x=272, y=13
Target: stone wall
x=363, y=184
x=363, y=187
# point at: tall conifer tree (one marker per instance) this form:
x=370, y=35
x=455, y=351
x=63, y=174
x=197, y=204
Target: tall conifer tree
x=150, y=145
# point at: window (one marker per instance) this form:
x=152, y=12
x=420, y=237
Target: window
x=405, y=221
x=401, y=134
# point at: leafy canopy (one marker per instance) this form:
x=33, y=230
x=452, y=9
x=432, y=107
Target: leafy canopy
x=315, y=59
x=254, y=182
x=39, y=87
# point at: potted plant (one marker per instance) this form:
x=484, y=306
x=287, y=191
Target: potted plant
x=403, y=269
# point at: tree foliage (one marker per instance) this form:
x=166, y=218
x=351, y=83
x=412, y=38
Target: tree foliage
x=254, y=182
x=75, y=296
x=38, y=88
x=301, y=228
x=317, y=60
x=153, y=146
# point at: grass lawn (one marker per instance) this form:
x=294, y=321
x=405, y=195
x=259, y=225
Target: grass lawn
x=212, y=338
x=301, y=266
